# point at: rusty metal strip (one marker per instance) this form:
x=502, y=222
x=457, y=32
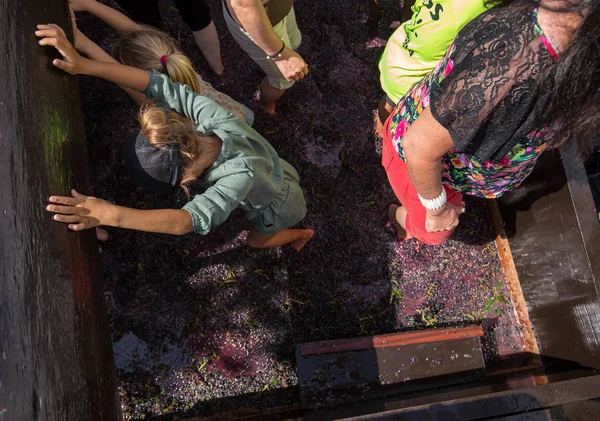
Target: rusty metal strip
x=512, y=280
x=393, y=339
x=291, y=412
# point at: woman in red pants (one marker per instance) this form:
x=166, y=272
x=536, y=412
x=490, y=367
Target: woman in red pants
x=520, y=78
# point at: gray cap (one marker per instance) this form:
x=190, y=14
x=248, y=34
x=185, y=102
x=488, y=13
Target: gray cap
x=155, y=169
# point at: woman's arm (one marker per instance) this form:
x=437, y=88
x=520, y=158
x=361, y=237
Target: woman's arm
x=110, y=16
x=424, y=144
x=252, y=16
x=73, y=63
x=82, y=212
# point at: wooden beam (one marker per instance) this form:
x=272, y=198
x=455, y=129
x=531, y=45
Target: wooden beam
x=56, y=360
x=392, y=339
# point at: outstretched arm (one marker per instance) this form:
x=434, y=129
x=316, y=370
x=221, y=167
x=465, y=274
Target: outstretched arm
x=93, y=51
x=110, y=16
x=73, y=63
x=82, y=212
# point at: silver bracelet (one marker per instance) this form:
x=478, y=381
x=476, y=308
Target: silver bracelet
x=434, y=204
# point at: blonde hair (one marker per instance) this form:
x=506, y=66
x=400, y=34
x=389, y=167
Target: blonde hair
x=143, y=49
x=161, y=127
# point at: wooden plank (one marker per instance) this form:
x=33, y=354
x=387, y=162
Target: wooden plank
x=331, y=378
x=554, y=241
x=578, y=411
x=512, y=281
x=541, y=415
x=390, y=340
x=468, y=403
x=56, y=358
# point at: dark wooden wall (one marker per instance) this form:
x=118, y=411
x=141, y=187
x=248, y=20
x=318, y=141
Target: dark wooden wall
x=56, y=359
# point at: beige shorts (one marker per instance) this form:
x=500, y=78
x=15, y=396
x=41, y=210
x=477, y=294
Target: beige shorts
x=287, y=30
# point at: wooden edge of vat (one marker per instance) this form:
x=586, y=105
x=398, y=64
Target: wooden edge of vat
x=512, y=280
x=392, y=339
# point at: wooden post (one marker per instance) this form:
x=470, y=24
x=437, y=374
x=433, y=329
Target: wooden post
x=56, y=360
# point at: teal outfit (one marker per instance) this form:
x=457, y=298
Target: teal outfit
x=248, y=172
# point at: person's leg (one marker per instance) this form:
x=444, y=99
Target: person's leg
x=384, y=109
x=296, y=238
x=146, y=12
x=196, y=14
x=397, y=216
x=373, y=19
x=411, y=216
x=269, y=96
x=274, y=84
x=207, y=41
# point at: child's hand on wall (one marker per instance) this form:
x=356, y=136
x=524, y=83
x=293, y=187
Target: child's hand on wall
x=81, y=212
x=54, y=36
x=79, y=38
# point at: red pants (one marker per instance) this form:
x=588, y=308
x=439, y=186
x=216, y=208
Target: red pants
x=405, y=191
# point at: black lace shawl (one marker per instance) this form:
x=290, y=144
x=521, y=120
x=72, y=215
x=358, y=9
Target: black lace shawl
x=498, y=86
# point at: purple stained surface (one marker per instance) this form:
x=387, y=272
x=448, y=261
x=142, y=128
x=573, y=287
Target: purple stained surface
x=213, y=322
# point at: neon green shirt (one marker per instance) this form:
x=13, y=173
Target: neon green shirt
x=418, y=44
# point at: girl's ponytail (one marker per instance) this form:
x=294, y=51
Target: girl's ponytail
x=151, y=49
x=180, y=69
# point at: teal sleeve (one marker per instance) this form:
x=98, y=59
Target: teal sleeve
x=181, y=99
x=213, y=207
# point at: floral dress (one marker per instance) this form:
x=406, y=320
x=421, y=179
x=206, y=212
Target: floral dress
x=490, y=158
x=237, y=109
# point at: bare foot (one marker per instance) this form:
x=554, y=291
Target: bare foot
x=267, y=108
x=298, y=244
x=101, y=234
x=400, y=232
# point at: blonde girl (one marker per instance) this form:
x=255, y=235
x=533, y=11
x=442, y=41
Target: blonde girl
x=190, y=138
x=148, y=48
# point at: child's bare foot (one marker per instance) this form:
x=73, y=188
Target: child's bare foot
x=298, y=244
x=101, y=234
x=400, y=232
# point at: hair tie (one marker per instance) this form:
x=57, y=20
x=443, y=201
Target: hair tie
x=163, y=61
